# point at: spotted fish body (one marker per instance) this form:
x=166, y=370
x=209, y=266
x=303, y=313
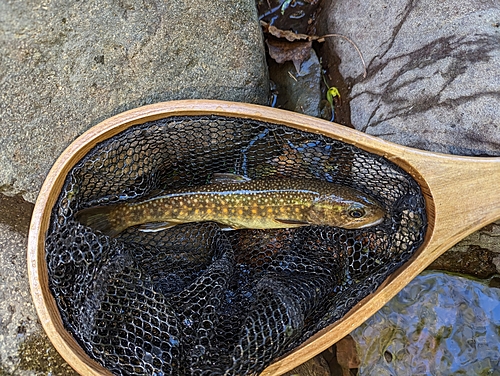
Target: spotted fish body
x=249, y=204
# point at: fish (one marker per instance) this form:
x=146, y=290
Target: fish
x=236, y=202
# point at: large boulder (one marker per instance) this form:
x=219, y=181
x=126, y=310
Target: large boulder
x=66, y=66
x=432, y=67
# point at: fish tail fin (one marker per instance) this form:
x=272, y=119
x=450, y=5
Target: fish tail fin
x=99, y=218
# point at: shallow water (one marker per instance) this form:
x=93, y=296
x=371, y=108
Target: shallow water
x=439, y=324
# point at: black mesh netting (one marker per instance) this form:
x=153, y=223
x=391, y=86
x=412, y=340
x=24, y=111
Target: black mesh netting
x=194, y=299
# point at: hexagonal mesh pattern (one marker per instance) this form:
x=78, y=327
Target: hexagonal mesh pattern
x=196, y=300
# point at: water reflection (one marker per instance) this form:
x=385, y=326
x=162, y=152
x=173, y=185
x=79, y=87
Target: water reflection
x=437, y=325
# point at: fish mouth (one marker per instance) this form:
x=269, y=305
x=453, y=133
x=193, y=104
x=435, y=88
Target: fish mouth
x=374, y=223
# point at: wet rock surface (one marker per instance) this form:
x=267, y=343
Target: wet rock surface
x=298, y=91
x=478, y=255
x=24, y=347
x=437, y=325
x=432, y=81
x=475, y=261
x=65, y=67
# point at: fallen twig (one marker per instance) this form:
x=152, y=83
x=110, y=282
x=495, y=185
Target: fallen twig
x=322, y=39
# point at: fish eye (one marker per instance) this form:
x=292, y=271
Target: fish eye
x=356, y=213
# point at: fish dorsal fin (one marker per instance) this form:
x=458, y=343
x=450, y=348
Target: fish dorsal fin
x=226, y=177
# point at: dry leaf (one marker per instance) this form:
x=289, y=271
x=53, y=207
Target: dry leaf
x=287, y=34
x=291, y=36
x=347, y=354
x=281, y=51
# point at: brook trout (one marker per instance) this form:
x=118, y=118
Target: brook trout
x=236, y=202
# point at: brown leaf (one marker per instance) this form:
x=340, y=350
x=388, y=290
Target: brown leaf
x=291, y=36
x=281, y=51
x=347, y=355
x=287, y=34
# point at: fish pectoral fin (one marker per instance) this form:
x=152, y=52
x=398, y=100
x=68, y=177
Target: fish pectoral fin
x=226, y=228
x=223, y=177
x=291, y=221
x=156, y=226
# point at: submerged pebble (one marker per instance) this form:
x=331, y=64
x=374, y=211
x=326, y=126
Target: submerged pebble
x=437, y=325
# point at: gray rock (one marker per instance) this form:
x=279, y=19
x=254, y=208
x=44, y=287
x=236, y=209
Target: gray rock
x=24, y=347
x=477, y=255
x=298, y=91
x=433, y=71
x=66, y=66
x=17, y=314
